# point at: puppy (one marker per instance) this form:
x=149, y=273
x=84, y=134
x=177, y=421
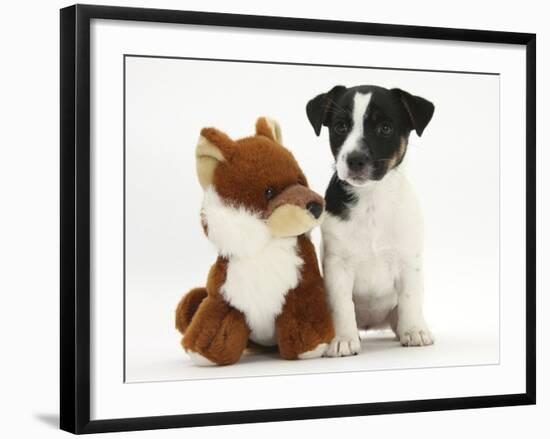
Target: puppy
x=372, y=235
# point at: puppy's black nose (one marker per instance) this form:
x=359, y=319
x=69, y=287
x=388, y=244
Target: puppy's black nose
x=315, y=209
x=357, y=161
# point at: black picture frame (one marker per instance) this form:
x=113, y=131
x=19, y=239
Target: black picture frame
x=75, y=217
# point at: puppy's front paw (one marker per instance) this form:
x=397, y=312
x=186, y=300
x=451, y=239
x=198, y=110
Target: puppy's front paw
x=343, y=346
x=415, y=335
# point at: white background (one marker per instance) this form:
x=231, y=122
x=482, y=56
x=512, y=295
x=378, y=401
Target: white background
x=168, y=101
x=30, y=240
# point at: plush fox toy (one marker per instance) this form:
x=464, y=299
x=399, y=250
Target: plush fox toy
x=265, y=286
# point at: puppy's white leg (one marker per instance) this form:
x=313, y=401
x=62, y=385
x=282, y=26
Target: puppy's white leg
x=412, y=329
x=339, y=285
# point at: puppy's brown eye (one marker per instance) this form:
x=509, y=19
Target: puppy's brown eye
x=341, y=127
x=384, y=129
x=269, y=193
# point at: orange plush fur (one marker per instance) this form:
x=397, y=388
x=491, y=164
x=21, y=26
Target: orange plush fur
x=257, y=181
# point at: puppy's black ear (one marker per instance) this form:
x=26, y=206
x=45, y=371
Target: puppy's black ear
x=420, y=110
x=318, y=108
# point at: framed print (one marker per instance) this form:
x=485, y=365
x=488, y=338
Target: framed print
x=273, y=218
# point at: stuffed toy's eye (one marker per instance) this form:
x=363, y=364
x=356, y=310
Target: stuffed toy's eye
x=341, y=127
x=269, y=193
x=384, y=129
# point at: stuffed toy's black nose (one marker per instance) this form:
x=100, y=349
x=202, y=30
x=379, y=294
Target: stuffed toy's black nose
x=315, y=209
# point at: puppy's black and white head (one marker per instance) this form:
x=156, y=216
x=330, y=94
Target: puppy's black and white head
x=369, y=128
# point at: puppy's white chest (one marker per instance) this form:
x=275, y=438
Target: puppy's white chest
x=382, y=234
x=257, y=285
x=372, y=225
x=376, y=249
x=367, y=236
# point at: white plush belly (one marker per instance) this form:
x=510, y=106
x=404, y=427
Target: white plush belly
x=257, y=286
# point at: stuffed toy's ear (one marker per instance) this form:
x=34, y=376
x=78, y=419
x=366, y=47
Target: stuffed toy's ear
x=419, y=109
x=269, y=128
x=213, y=147
x=318, y=108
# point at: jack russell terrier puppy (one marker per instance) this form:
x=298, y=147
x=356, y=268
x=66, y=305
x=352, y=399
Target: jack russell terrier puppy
x=372, y=235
